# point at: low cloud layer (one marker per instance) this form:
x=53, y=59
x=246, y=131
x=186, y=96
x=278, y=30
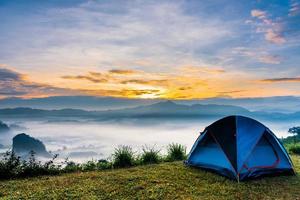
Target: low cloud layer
x=14, y=84
x=289, y=79
x=186, y=83
x=137, y=83
x=90, y=77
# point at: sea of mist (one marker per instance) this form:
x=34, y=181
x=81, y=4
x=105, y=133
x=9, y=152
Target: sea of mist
x=82, y=140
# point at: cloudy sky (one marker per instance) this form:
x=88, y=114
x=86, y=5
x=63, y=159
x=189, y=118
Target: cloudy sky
x=150, y=49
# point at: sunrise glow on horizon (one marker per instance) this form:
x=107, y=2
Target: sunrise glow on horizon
x=150, y=49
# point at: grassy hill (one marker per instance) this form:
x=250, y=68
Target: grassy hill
x=162, y=181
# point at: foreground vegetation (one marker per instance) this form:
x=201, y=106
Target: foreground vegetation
x=128, y=175
x=292, y=143
x=169, y=180
x=12, y=166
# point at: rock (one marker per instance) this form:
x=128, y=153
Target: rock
x=3, y=127
x=23, y=144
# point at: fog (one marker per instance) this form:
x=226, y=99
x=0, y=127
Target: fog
x=85, y=140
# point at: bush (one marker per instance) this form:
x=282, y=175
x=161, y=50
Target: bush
x=104, y=164
x=11, y=166
x=294, y=148
x=150, y=156
x=123, y=157
x=32, y=167
x=176, y=152
x=89, y=166
x=71, y=166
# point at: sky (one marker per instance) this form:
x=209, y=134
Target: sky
x=185, y=49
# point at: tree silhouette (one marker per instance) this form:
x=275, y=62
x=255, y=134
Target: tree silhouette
x=295, y=131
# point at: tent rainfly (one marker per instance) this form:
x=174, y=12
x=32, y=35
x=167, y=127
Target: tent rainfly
x=240, y=148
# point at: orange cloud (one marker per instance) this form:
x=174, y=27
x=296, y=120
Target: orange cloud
x=127, y=93
x=121, y=71
x=163, y=85
x=185, y=83
x=145, y=82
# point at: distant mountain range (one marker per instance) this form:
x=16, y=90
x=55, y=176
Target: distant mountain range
x=160, y=110
x=283, y=104
x=75, y=102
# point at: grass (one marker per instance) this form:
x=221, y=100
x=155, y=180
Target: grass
x=12, y=166
x=176, y=152
x=159, y=181
x=150, y=156
x=123, y=157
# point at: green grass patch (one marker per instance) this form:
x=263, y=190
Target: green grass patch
x=160, y=181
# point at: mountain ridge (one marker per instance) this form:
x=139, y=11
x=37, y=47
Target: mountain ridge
x=163, y=109
x=283, y=104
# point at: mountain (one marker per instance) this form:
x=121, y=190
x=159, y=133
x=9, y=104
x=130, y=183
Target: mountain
x=164, y=109
x=23, y=112
x=3, y=127
x=23, y=144
x=75, y=102
x=283, y=104
x=167, y=109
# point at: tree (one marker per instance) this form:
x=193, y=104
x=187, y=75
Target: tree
x=295, y=131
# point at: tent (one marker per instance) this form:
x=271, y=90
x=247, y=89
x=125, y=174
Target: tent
x=240, y=148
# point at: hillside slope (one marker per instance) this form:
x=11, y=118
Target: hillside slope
x=163, y=181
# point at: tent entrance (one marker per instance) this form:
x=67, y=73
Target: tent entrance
x=263, y=156
x=209, y=154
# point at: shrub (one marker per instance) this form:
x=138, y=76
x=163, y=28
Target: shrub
x=71, y=166
x=89, y=166
x=295, y=148
x=11, y=166
x=123, y=157
x=150, y=156
x=103, y=164
x=176, y=152
x=32, y=167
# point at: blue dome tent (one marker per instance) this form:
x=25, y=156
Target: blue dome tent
x=240, y=148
